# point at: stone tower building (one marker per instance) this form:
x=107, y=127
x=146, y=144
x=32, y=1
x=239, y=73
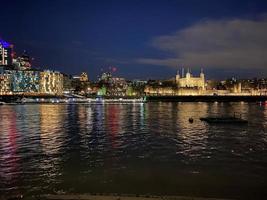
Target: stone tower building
x=189, y=81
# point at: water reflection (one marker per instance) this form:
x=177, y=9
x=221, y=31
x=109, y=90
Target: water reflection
x=9, y=159
x=131, y=148
x=265, y=115
x=113, y=123
x=51, y=128
x=192, y=136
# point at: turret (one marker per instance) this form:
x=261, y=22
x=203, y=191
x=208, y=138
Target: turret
x=202, y=74
x=188, y=75
x=177, y=75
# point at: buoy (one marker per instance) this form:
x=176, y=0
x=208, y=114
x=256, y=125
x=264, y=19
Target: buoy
x=191, y=120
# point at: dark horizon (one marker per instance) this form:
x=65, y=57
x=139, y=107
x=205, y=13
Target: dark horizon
x=142, y=39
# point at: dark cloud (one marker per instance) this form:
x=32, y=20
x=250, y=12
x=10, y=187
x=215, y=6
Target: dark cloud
x=228, y=44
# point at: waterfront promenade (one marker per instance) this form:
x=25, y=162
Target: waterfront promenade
x=181, y=98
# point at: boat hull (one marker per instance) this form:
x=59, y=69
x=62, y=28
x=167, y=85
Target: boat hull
x=224, y=120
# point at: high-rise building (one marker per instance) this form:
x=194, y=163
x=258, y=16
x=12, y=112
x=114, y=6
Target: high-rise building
x=5, y=53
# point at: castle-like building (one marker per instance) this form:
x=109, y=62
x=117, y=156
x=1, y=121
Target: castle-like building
x=188, y=81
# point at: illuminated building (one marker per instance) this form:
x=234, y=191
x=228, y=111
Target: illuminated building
x=138, y=87
x=24, y=81
x=102, y=91
x=23, y=62
x=30, y=82
x=185, y=85
x=51, y=82
x=17, y=77
x=84, y=77
x=117, y=86
x=105, y=77
x=137, y=82
x=5, y=84
x=159, y=90
x=80, y=84
x=5, y=53
x=189, y=81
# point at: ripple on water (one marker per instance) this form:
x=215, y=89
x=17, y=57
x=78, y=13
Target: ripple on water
x=115, y=148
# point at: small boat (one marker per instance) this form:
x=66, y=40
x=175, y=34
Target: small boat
x=224, y=120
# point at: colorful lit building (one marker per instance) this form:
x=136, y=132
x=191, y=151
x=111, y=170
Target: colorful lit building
x=5, y=84
x=23, y=81
x=30, y=82
x=51, y=82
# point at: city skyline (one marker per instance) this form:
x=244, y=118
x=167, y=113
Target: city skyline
x=133, y=99
x=141, y=39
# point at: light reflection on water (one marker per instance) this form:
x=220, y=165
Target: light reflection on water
x=132, y=148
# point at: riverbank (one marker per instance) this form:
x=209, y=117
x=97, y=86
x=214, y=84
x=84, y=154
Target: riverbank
x=202, y=98
x=119, y=197
x=199, y=98
x=68, y=100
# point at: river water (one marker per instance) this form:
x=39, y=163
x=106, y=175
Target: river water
x=146, y=148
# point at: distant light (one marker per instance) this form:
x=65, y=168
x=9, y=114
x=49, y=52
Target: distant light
x=5, y=44
x=114, y=69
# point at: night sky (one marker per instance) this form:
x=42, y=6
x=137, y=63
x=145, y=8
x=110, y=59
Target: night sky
x=144, y=39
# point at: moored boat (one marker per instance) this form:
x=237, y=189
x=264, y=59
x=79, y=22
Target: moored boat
x=224, y=120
